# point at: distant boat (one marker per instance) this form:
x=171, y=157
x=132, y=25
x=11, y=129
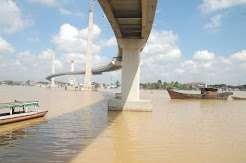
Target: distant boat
x=14, y=116
x=238, y=98
x=206, y=93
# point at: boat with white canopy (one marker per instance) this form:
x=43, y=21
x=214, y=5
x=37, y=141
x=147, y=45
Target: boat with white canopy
x=19, y=111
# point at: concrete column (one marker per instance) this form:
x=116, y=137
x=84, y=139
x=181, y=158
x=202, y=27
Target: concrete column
x=72, y=65
x=53, y=67
x=71, y=79
x=130, y=78
x=130, y=74
x=87, y=84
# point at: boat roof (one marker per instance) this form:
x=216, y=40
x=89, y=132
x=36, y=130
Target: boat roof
x=18, y=104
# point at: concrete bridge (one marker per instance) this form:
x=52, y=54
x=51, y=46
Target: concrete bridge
x=114, y=65
x=131, y=21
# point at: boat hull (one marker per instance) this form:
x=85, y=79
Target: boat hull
x=178, y=95
x=21, y=117
x=238, y=98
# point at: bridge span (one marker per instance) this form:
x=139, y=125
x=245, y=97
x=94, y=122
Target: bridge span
x=114, y=65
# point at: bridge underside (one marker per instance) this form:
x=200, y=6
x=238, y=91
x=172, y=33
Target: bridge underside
x=131, y=21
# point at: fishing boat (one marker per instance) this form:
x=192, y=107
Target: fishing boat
x=238, y=98
x=19, y=111
x=206, y=93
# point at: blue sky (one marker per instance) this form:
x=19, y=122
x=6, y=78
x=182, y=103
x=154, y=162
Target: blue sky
x=191, y=41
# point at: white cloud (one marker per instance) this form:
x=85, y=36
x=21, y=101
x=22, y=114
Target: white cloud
x=189, y=66
x=214, y=5
x=33, y=40
x=161, y=60
x=14, y=20
x=158, y=55
x=68, y=32
x=239, y=57
x=207, y=67
x=215, y=22
x=45, y=2
x=65, y=12
x=111, y=42
x=28, y=66
x=71, y=42
x=96, y=32
x=55, y=3
x=203, y=56
x=6, y=49
x=80, y=14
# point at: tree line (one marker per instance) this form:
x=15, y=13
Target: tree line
x=176, y=85
x=164, y=85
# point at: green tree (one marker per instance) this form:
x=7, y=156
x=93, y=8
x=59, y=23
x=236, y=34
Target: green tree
x=96, y=85
x=184, y=87
x=144, y=85
x=9, y=82
x=117, y=83
x=158, y=84
x=164, y=85
x=172, y=83
x=176, y=84
x=170, y=87
x=28, y=82
x=149, y=86
x=190, y=87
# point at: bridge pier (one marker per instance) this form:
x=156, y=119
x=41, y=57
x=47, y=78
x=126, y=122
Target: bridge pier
x=130, y=78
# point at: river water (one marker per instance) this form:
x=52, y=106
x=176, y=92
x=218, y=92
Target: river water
x=78, y=128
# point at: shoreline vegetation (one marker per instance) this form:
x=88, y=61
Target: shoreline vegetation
x=190, y=86
x=159, y=85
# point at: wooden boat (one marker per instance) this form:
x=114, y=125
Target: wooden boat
x=206, y=93
x=238, y=98
x=14, y=116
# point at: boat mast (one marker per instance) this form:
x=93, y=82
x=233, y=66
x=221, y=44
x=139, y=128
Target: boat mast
x=88, y=71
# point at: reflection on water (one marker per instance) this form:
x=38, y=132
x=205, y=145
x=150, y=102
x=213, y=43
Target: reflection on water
x=15, y=134
x=57, y=139
x=177, y=131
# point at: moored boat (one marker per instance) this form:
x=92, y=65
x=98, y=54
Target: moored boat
x=238, y=98
x=14, y=116
x=206, y=93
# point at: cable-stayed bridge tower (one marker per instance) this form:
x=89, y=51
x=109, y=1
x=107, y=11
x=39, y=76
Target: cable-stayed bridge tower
x=88, y=70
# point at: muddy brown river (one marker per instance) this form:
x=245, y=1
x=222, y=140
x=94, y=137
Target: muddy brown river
x=78, y=128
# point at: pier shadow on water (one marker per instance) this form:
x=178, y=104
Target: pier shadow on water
x=59, y=139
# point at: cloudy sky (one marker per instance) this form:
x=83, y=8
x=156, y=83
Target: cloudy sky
x=191, y=41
